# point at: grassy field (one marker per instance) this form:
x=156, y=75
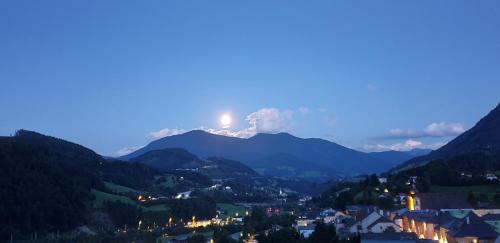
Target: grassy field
x=230, y=210
x=311, y=174
x=207, y=234
x=118, y=188
x=101, y=197
x=170, y=181
x=359, y=195
x=156, y=208
x=489, y=190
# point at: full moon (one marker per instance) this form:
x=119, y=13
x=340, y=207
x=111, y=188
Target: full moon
x=225, y=120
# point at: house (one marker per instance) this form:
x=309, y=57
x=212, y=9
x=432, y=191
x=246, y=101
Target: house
x=493, y=220
x=306, y=231
x=304, y=221
x=491, y=177
x=372, y=222
x=215, y=187
x=238, y=220
x=305, y=226
x=424, y=223
x=303, y=200
x=355, y=211
x=273, y=228
x=383, y=224
x=443, y=226
x=391, y=237
x=401, y=198
x=236, y=236
x=327, y=211
x=183, y=195
x=470, y=229
x=437, y=201
x=331, y=216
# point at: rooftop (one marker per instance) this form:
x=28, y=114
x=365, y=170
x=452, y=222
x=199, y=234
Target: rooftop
x=443, y=201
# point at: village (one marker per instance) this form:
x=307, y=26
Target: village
x=413, y=217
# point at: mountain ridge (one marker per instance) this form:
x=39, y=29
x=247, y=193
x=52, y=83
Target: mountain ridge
x=180, y=159
x=267, y=152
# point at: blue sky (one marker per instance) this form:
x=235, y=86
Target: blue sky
x=370, y=75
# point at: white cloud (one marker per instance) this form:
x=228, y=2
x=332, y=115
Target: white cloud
x=441, y=129
x=303, y=110
x=125, y=151
x=165, y=132
x=402, y=146
x=444, y=129
x=265, y=120
x=270, y=120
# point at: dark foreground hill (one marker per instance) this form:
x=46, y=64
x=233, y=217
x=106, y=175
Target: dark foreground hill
x=484, y=137
x=46, y=183
x=281, y=154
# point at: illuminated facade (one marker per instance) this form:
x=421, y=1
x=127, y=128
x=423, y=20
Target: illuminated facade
x=413, y=201
x=444, y=228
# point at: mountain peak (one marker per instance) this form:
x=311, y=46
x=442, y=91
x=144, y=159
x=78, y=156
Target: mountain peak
x=196, y=132
x=276, y=135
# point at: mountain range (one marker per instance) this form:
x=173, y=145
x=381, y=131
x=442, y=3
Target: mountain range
x=282, y=154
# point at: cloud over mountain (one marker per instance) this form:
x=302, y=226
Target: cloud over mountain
x=265, y=120
x=165, y=132
x=407, y=145
x=127, y=150
x=435, y=130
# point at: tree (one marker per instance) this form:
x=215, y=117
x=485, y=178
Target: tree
x=323, y=233
x=385, y=202
x=344, y=199
x=471, y=198
x=286, y=235
x=197, y=238
x=496, y=199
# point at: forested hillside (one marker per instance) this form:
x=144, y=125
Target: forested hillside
x=46, y=183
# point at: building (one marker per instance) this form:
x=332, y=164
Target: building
x=361, y=224
x=356, y=211
x=446, y=227
x=372, y=222
x=183, y=195
x=306, y=231
x=331, y=216
x=305, y=226
x=470, y=229
x=491, y=177
x=383, y=224
x=304, y=221
x=493, y=220
x=437, y=201
x=424, y=223
x=391, y=237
